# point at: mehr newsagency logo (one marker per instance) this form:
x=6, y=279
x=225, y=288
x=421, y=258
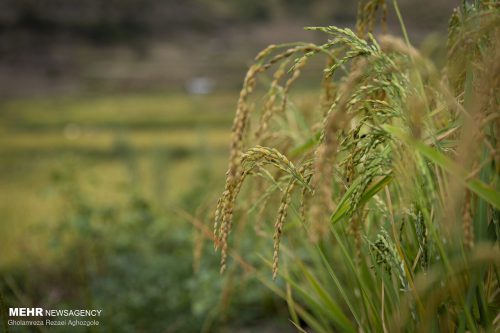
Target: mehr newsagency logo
x=53, y=317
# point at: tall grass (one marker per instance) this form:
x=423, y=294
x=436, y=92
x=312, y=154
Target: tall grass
x=387, y=189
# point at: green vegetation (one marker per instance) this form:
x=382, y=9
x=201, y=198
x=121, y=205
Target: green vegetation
x=98, y=201
x=103, y=135
x=382, y=200
x=367, y=203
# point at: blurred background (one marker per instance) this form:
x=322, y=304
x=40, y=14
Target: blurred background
x=115, y=120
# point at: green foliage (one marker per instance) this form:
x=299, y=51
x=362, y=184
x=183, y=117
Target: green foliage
x=135, y=261
x=396, y=225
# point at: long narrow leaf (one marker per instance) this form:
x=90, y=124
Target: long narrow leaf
x=483, y=190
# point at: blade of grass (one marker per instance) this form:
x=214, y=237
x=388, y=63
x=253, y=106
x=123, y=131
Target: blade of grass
x=475, y=185
x=344, y=203
x=339, y=316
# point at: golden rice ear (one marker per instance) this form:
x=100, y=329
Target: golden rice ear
x=218, y=212
x=468, y=227
x=264, y=53
x=283, y=211
x=224, y=211
x=367, y=12
x=223, y=216
x=227, y=220
x=296, y=70
x=304, y=51
x=305, y=197
x=269, y=106
x=278, y=226
x=254, y=156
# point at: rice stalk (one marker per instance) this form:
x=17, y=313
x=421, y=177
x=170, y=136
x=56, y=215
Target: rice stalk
x=386, y=119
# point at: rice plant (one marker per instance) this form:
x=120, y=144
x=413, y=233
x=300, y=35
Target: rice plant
x=387, y=193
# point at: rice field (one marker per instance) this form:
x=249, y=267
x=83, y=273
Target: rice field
x=351, y=186
x=102, y=137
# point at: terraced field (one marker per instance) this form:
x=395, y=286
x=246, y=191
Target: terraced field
x=114, y=144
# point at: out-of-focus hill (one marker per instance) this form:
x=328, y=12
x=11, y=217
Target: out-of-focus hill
x=66, y=46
